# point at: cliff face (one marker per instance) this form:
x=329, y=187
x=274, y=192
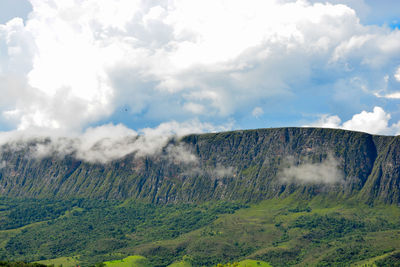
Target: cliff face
x=242, y=165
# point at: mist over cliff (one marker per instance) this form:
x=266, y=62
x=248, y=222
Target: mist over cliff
x=246, y=165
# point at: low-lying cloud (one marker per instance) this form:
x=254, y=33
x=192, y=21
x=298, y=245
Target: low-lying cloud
x=221, y=171
x=178, y=153
x=325, y=172
x=110, y=142
x=216, y=172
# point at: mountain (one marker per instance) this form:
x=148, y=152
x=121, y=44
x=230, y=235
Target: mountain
x=249, y=165
x=280, y=197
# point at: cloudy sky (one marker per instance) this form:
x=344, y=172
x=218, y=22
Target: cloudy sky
x=180, y=66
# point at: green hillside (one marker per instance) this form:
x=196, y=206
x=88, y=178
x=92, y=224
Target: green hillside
x=282, y=232
x=283, y=197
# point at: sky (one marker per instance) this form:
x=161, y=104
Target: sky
x=125, y=67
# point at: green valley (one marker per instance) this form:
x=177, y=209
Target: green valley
x=268, y=197
x=317, y=232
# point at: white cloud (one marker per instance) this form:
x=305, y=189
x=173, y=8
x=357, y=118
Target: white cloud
x=327, y=121
x=180, y=154
x=375, y=122
x=184, y=128
x=372, y=122
x=397, y=74
x=394, y=95
x=257, y=112
x=75, y=62
x=220, y=171
x=194, y=107
x=110, y=142
x=325, y=172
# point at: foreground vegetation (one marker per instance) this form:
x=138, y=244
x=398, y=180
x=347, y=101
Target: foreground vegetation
x=279, y=232
x=94, y=230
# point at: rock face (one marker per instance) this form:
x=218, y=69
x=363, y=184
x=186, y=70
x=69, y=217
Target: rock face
x=246, y=165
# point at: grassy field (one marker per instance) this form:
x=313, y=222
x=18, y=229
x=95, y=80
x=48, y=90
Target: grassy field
x=137, y=261
x=64, y=261
x=290, y=232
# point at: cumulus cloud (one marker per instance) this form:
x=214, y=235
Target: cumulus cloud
x=375, y=122
x=76, y=62
x=372, y=122
x=325, y=172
